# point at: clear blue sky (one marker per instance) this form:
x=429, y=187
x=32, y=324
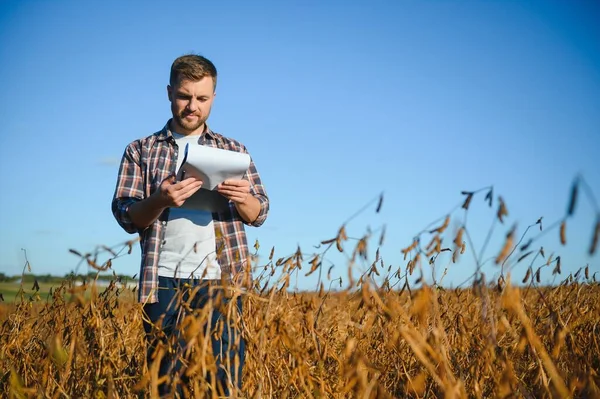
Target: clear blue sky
x=336, y=101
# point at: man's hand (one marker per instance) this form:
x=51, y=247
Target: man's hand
x=237, y=191
x=171, y=194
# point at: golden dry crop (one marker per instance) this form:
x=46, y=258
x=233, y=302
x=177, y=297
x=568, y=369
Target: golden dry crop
x=379, y=337
x=425, y=343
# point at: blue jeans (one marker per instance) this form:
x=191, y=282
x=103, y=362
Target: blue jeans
x=178, y=298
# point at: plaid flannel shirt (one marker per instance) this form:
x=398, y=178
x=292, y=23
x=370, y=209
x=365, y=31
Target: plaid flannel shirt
x=145, y=164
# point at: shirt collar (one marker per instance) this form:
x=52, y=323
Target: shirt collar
x=166, y=134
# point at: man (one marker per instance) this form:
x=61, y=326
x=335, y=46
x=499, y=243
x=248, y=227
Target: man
x=188, y=253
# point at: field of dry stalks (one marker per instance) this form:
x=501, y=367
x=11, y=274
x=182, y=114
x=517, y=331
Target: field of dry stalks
x=367, y=344
x=378, y=337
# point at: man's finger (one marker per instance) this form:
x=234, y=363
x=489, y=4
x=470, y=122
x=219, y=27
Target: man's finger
x=189, y=182
x=232, y=196
x=191, y=188
x=183, y=195
x=245, y=189
x=225, y=191
x=238, y=183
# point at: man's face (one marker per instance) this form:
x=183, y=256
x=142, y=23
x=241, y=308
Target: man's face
x=190, y=104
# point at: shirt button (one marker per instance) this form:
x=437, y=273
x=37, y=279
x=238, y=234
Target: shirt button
x=164, y=223
x=163, y=242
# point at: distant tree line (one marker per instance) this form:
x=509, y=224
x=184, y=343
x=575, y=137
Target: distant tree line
x=48, y=278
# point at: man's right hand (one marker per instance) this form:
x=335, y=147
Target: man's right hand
x=173, y=194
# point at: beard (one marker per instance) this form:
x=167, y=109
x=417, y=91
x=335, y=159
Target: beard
x=189, y=126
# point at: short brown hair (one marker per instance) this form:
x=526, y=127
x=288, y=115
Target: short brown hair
x=192, y=67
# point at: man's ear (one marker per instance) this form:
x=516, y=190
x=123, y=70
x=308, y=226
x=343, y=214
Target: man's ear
x=170, y=93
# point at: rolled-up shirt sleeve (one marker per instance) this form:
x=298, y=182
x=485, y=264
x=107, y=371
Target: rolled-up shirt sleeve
x=129, y=188
x=257, y=189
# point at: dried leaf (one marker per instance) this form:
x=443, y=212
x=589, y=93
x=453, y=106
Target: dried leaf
x=381, y=238
x=374, y=269
x=361, y=248
x=467, y=202
x=341, y=237
x=508, y=243
x=526, y=245
x=527, y=275
x=410, y=266
x=130, y=245
x=458, y=239
x=524, y=256
x=379, y=204
x=433, y=243
x=587, y=272
x=595, y=237
x=75, y=252
x=443, y=227
x=573, y=198
x=271, y=254
x=329, y=272
x=557, y=267
x=563, y=234
x=502, y=211
x=315, y=264
x=488, y=197
x=409, y=248
x=501, y=283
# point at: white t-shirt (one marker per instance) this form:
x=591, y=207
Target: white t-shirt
x=188, y=249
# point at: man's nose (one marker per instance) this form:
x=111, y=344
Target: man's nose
x=193, y=104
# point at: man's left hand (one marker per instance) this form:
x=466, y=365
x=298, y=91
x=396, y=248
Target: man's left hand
x=237, y=191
